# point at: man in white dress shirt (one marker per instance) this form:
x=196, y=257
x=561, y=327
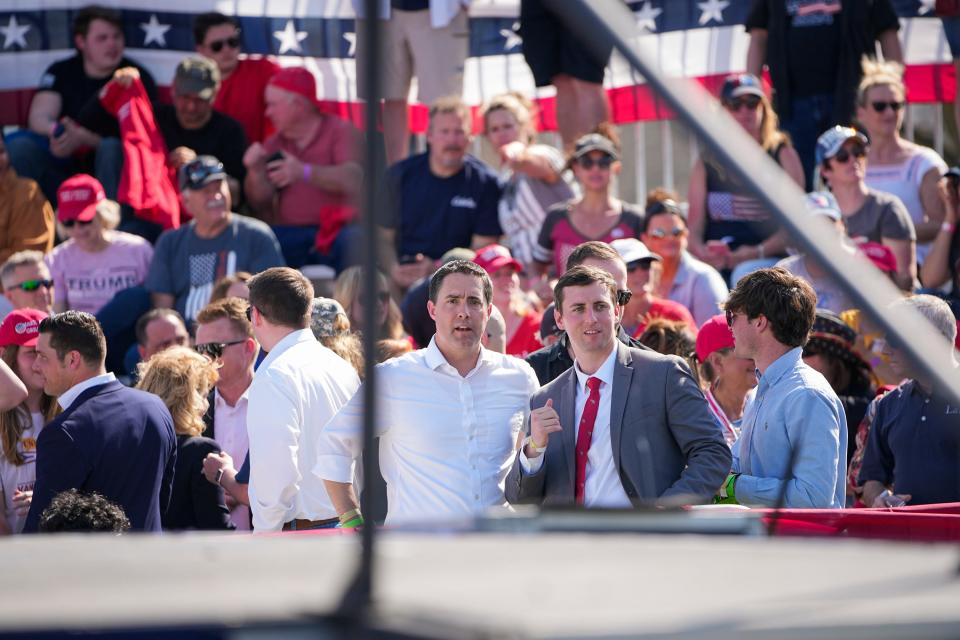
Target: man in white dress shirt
x=225, y=335
x=299, y=386
x=449, y=415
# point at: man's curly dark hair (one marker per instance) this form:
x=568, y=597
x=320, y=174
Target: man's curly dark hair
x=75, y=511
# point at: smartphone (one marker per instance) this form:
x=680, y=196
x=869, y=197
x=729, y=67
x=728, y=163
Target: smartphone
x=277, y=155
x=58, y=130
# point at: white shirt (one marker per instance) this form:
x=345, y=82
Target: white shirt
x=230, y=428
x=67, y=397
x=296, y=391
x=447, y=441
x=602, y=486
x=15, y=478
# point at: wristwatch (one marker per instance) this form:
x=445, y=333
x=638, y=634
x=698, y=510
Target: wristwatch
x=533, y=445
x=219, y=475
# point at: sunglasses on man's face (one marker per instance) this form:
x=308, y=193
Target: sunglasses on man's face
x=214, y=350
x=735, y=104
x=856, y=151
x=33, y=285
x=643, y=265
x=880, y=106
x=69, y=223
x=660, y=234
x=586, y=162
x=217, y=45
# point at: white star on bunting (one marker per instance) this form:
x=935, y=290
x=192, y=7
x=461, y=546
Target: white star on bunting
x=712, y=10
x=926, y=6
x=155, y=32
x=647, y=17
x=290, y=38
x=13, y=33
x=352, y=39
x=513, y=38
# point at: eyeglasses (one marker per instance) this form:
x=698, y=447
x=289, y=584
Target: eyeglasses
x=214, y=350
x=735, y=104
x=879, y=106
x=33, y=285
x=660, y=234
x=586, y=162
x=624, y=296
x=250, y=313
x=233, y=42
x=856, y=151
x=83, y=223
x=638, y=264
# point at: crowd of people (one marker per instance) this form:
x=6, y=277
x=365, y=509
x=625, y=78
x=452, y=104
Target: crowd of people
x=167, y=364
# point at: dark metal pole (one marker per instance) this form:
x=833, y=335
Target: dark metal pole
x=600, y=22
x=359, y=596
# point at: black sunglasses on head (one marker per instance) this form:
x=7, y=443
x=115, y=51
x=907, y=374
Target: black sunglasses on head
x=69, y=223
x=880, y=106
x=214, y=350
x=233, y=42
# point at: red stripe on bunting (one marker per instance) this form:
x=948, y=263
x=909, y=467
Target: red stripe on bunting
x=925, y=83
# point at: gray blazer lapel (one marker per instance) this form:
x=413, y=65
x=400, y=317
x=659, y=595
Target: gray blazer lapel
x=567, y=414
x=622, y=378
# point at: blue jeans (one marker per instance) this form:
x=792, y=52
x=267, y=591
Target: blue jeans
x=809, y=117
x=30, y=156
x=118, y=318
x=296, y=243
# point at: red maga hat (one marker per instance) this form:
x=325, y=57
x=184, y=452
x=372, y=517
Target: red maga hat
x=77, y=198
x=21, y=327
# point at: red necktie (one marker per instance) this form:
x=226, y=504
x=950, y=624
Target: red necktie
x=585, y=434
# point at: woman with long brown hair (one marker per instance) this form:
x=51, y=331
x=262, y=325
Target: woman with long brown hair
x=347, y=291
x=183, y=378
x=20, y=426
x=727, y=226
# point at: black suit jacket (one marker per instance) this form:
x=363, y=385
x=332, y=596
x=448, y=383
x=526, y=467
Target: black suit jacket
x=195, y=503
x=116, y=441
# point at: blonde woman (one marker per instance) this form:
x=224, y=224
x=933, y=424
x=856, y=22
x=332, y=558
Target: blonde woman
x=347, y=291
x=183, y=378
x=728, y=227
x=897, y=166
x=531, y=174
x=20, y=426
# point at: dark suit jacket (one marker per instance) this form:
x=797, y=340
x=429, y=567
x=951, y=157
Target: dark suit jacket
x=666, y=443
x=195, y=503
x=116, y=441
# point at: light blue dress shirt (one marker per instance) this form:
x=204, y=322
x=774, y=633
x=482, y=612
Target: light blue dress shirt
x=795, y=408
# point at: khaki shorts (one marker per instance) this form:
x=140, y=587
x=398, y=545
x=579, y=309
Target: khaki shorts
x=411, y=47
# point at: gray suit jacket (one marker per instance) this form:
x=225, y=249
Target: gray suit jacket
x=666, y=444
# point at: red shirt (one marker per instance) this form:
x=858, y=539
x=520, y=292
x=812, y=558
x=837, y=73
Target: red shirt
x=668, y=309
x=334, y=143
x=527, y=338
x=241, y=97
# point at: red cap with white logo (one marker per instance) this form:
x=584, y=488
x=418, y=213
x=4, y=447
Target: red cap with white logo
x=21, y=327
x=77, y=198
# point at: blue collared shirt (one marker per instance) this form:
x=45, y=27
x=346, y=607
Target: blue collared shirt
x=794, y=408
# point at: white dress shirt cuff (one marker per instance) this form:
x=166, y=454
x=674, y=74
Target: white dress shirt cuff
x=530, y=466
x=333, y=467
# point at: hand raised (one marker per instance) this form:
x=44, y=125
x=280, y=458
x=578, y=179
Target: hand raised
x=543, y=422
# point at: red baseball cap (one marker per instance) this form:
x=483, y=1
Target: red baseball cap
x=21, y=327
x=496, y=256
x=77, y=198
x=880, y=255
x=296, y=80
x=713, y=336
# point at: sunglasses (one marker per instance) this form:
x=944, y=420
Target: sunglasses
x=250, y=313
x=624, y=296
x=880, y=106
x=638, y=264
x=660, y=234
x=69, y=223
x=217, y=45
x=735, y=104
x=33, y=285
x=214, y=350
x=856, y=151
x=586, y=162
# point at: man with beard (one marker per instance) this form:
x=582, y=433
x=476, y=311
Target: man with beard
x=449, y=415
x=442, y=199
